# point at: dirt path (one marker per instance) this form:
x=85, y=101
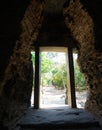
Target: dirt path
x=50, y=96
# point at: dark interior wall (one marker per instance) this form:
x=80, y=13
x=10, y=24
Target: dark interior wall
x=20, y=27
x=16, y=84
x=94, y=8
x=83, y=24
x=11, y=14
x=94, y=69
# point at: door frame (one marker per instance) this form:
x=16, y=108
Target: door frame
x=71, y=85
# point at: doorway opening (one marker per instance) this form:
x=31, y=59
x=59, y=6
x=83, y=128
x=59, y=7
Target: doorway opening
x=33, y=68
x=80, y=83
x=53, y=78
x=56, y=80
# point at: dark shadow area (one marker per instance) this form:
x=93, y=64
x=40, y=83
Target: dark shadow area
x=58, y=118
x=94, y=8
x=11, y=14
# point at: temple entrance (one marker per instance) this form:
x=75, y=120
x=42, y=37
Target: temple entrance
x=53, y=78
x=80, y=83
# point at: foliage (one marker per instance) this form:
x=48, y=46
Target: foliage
x=59, y=76
x=46, y=64
x=56, y=74
x=33, y=57
x=80, y=82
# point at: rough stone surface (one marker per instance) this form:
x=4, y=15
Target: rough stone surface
x=58, y=118
x=16, y=86
x=90, y=60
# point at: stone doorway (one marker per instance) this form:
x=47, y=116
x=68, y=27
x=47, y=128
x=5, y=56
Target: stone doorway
x=51, y=94
x=71, y=95
x=53, y=78
x=80, y=83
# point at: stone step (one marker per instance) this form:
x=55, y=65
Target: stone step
x=62, y=118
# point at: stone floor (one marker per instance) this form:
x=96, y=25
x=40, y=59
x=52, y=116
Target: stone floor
x=62, y=118
x=55, y=115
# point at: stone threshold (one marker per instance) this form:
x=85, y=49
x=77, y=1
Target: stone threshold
x=63, y=117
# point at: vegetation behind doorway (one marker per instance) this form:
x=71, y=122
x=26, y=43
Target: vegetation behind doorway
x=53, y=78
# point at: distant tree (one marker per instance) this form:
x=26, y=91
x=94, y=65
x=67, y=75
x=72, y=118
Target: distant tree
x=56, y=73
x=46, y=67
x=33, y=64
x=59, y=76
x=80, y=82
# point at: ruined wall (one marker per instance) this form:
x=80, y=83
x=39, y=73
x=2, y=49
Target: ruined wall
x=81, y=26
x=15, y=89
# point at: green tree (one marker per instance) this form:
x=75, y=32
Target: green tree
x=80, y=82
x=59, y=76
x=46, y=64
x=46, y=67
x=53, y=72
x=33, y=64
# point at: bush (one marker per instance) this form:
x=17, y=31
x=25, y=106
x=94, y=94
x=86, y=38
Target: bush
x=80, y=83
